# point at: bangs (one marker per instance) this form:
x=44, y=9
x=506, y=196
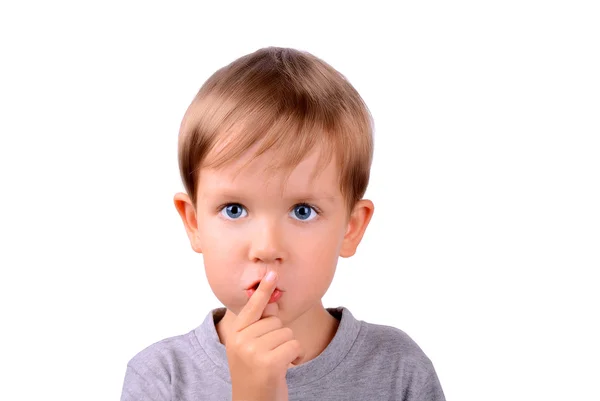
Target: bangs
x=289, y=135
x=279, y=100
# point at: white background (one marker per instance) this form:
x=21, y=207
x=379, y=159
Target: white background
x=484, y=246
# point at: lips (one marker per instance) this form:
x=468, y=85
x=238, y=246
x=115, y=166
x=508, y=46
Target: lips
x=253, y=286
x=277, y=293
x=251, y=289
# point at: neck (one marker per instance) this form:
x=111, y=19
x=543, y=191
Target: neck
x=314, y=329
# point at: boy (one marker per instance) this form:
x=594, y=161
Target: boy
x=274, y=153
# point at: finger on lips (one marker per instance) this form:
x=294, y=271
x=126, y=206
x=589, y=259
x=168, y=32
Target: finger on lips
x=254, y=310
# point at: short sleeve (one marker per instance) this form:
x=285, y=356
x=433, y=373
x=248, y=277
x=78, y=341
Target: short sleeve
x=430, y=391
x=139, y=388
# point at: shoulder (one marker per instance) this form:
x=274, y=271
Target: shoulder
x=391, y=340
x=393, y=348
x=152, y=372
x=161, y=361
x=390, y=356
x=161, y=356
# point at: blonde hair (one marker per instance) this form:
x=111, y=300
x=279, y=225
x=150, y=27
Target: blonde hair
x=282, y=99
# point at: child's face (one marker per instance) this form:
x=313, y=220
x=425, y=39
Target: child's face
x=246, y=226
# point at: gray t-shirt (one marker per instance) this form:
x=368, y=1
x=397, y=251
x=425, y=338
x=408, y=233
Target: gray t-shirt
x=364, y=361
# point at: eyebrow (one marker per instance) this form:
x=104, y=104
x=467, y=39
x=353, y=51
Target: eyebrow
x=297, y=197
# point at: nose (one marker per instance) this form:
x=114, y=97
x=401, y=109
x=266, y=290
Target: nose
x=267, y=244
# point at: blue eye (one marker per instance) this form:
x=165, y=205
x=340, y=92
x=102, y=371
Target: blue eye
x=233, y=210
x=303, y=212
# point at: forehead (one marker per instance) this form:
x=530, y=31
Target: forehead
x=265, y=174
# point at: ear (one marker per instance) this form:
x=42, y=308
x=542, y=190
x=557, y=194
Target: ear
x=357, y=224
x=187, y=211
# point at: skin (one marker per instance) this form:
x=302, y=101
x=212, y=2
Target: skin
x=260, y=348
x=250, y=224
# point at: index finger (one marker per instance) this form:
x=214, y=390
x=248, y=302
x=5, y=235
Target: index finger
x=252, y=311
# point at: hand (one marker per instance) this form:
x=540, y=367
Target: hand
x=260, y=350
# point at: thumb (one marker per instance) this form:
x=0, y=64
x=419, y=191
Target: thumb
x=271, y=310
x=301, y=357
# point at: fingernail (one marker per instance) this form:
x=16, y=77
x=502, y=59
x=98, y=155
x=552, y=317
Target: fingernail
x=271, y=276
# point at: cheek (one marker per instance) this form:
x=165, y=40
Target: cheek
x=318, y=254
x=217, y=240
x=322, y=243
x=220, y=258
x=222, y=276
x=323, y=251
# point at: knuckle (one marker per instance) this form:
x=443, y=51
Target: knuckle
x=288, y=333
x=264, y=361
x=250, y=349
x=275, y=322
x=237, y=342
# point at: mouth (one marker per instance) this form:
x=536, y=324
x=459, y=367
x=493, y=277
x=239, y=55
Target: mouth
x=253, y=286
x=275, y=296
